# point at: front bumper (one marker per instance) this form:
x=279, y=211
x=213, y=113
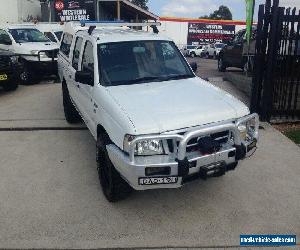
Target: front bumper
x=183, y=164
x=12, y=74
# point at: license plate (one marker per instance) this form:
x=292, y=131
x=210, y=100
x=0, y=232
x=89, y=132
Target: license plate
x=157, y=180
x=3, y=77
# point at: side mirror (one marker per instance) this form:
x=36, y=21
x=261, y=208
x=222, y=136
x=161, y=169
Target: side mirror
x=84, y=77
x=194, y=66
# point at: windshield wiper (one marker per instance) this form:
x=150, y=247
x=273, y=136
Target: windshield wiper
x=177, y=77
x=138, y=80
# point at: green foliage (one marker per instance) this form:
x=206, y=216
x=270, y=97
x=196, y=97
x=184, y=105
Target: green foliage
x=141, y=3
x=223, y=13
x=294, y=135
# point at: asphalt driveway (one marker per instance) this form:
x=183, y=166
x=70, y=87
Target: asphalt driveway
x=50, y=195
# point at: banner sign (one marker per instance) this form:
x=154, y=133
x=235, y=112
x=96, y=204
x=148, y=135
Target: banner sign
x=209, y=33
x=68, y=10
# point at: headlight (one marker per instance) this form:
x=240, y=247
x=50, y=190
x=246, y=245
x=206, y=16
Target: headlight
x=145, y=147
x=34, y=52
x=247, y=130
x=14, y=59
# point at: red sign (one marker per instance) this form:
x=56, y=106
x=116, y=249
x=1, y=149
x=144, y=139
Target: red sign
x=59, y=5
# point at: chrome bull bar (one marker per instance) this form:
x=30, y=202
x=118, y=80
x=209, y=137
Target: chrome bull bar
x=202, y=131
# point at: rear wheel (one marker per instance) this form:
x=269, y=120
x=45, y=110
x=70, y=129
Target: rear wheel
x=114, y=187
x=221, y=65
x=71, y=114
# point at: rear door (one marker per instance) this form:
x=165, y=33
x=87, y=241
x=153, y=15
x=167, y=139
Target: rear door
x=72, y=69
x=234, y=51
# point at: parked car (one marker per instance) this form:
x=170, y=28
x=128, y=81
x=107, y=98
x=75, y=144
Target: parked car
x=53, y=31
x=235, y=53
x=187, y=48
x=9, y=68
x=213, y=50
x=199, y=50
x=155, y=123
x=37, y=53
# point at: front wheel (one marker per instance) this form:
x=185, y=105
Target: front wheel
x=10, y=86
x=221, y=65
x=26, y=75
x=114, y=187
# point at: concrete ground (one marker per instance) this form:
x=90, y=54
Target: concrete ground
x=51, y=198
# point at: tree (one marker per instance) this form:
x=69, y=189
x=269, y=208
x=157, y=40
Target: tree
x=141, y=3
x=223, y=13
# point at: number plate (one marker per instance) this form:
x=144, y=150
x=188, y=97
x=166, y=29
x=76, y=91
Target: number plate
x=3, y=77
x=158, y=180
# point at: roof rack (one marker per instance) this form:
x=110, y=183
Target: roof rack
x=93, y=24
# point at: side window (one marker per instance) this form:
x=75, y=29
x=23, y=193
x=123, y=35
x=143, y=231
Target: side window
x=66, y=44
x=50, y=36
x=4, y=38
x=88, y=58
x=76, y=52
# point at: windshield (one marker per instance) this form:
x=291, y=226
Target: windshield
x=28, y=35
x=219, y=45
x=125, y=63
x=58, y=34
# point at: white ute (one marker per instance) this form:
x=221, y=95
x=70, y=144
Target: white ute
x=156, y=124
x=37, y=53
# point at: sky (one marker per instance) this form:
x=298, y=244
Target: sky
x=196, y=8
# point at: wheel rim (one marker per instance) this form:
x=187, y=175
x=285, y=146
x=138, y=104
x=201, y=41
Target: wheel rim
x=24, y=76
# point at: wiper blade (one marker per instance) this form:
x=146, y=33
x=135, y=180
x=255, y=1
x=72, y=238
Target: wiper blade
x=138, y=80
x=177, y=77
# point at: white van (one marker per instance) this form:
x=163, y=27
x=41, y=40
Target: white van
x=38, y=54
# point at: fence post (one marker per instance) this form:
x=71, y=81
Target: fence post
x=267, y=98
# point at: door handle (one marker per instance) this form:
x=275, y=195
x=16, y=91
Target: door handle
x=78, y=86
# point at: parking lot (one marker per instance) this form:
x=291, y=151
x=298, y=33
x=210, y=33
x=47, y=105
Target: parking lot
x=51, y=198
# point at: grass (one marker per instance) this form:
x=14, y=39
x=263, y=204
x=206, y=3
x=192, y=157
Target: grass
x=294, y=135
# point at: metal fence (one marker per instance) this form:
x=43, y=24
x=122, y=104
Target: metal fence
x=276, y=80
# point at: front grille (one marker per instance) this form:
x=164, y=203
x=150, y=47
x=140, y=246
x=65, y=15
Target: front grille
x=193, y=145
x=52, y=53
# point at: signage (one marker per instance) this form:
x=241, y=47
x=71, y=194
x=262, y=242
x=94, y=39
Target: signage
x=209, y=33
x=68, y=10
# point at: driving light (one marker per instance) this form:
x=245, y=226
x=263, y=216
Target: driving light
x=14, y=59
x=243, y=131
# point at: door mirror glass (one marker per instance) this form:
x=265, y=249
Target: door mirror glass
x=194, y=66
x=84, y=77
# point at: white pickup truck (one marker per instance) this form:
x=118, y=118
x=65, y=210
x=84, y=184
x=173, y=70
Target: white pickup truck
x=37, y=53
x=155, y=123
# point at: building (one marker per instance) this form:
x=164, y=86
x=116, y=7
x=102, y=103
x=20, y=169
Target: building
x=15, y=11
x=106, y=10
x=195, y=31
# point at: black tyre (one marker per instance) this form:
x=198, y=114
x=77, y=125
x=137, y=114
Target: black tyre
x=71, y=114
x=221, y=65
x=114, y=187
x=10, y=86
x=26, y=75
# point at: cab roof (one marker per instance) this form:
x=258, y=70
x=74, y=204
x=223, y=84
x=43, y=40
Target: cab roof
x=114, y=32
x=108, y=35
